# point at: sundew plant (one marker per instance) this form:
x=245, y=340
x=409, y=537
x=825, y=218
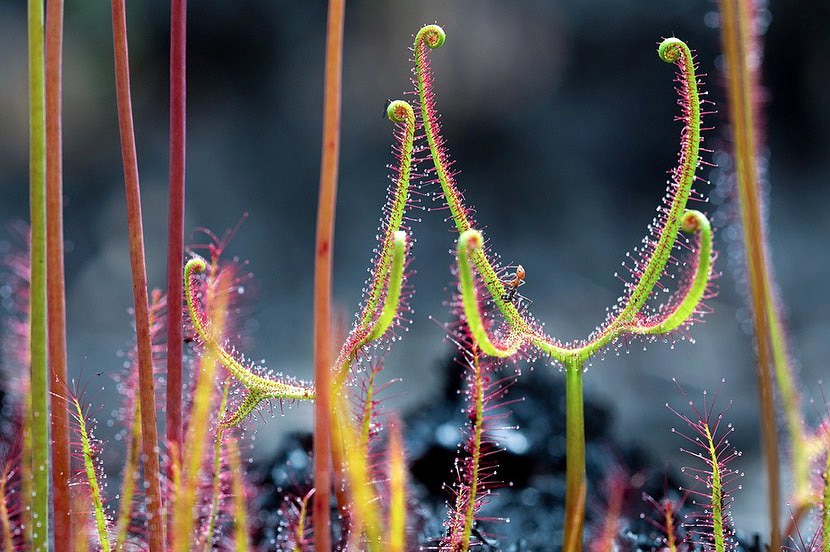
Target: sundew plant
x=181, y=473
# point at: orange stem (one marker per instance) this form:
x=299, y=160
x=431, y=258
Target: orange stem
x=736, y=41
x=323, y=272
x=146, y=384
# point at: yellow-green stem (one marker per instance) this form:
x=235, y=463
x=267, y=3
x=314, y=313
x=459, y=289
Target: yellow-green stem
x=717, y=494
x=217, y=473
x=92, y=480
x=671, y=539
x=397, y=491
x=37, y=291
x=131, y=467
x=575, y=457
x=216, y=305
x=240, y=514
x=299, y=535
x=478, y=431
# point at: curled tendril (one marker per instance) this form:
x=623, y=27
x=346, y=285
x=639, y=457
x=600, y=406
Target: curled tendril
x=259, y=388
x=379, y=310
x=671, y=50
x=384, y=296
x=627, y=317
x=432, y=36
x=694, y=222
x=469, y=241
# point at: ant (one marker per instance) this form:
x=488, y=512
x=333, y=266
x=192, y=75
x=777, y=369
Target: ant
x=513, y=284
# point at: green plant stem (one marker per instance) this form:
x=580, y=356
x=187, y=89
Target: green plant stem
x=198, y=428
x=175, y=236
x=716, y=502
x=217, y=474
x=146, y=383
x=92, y=480
x=478, y=431
x=575, y=457
x=240, y=513
x=397, y=491
x=56, y=290
x=37, y=284
x=735, y=38
x=324, y=244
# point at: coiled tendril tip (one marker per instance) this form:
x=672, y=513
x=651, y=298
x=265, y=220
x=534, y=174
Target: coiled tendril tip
x=196, y=264
x=431, y=35
x=672, y=48
x=694, y=221
x=471, y=239
x=399, y=111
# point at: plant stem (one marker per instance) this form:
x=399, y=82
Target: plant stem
x=146, y=383
x=475, y=454
x=56, y=283
x=575, y=456
x=323, y=271
x=175, y=235
x=716, y=504
x=37, y=298
x=198, y=428
x=735, y=37
x=5, y=518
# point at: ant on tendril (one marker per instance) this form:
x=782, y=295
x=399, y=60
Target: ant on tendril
x=512, y=284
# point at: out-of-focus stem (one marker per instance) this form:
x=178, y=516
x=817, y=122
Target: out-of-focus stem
x=175, y=232
x=56, y=283
x=736, y=41
x=146, y=383
x=323, y=272
x=37, y=293
x=198, y=429
x=575, y=457
x=131, y=471
x=5, y=519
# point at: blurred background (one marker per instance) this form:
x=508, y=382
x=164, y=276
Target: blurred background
x=560, y=116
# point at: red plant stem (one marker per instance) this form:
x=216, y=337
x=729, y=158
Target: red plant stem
x=322, y=272
x=149, y=431
x=175, y=232
x=55, y=283
x=735, y=37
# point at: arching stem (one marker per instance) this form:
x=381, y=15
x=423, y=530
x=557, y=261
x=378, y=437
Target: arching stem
x=575, y=456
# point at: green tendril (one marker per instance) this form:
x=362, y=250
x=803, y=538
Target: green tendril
x=522, y=329
x=693, y=222
x=469, y=241
x=717, y=493
x=471, y=248
x=387, y=276
x=259, y=388
x=92, y=478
